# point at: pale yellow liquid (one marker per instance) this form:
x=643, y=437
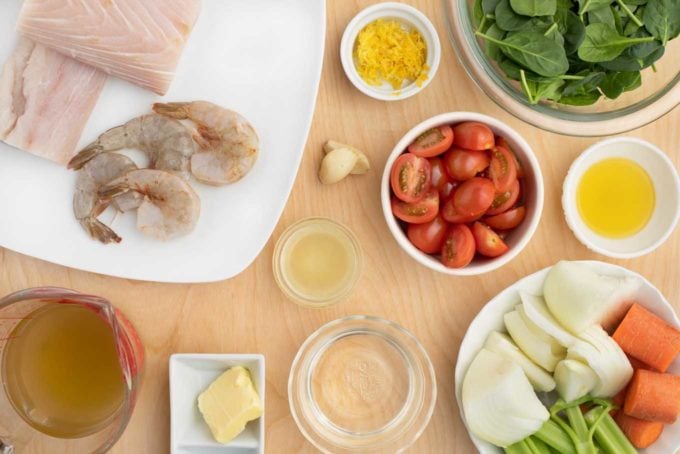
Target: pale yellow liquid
x=318, y=263
x=615, y=198
x=61, y=371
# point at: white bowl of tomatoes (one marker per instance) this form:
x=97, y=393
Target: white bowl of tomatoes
x=462, y=193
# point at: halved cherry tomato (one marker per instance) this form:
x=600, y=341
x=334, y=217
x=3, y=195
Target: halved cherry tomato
x=432, y=142
x=474, y=196
x=428, y=237
x=500, y=141
x=452, y=215
x=410, y=177
x=508, y=220
x=417, y=212
x=505, y=200
x=473, y=135
x=502, y=170
x=439, y=175
x=464, y=164
x=458, y=249
x=447, y=190
x=488, y=243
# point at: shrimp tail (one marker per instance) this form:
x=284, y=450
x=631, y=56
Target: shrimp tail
x=177, y=110
x=110, y=191
x=99, y=231
x=84, y=156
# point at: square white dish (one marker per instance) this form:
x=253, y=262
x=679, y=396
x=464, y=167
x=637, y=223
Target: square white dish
x=190, y=375
x=261, y=58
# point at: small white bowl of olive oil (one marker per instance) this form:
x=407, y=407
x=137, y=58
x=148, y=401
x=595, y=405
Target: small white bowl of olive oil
x=621, y=197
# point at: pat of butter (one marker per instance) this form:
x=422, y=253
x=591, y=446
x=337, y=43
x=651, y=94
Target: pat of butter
x=229, y=403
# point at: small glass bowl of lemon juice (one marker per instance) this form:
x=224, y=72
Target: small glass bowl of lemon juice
x=317, y=262
x=621, y=197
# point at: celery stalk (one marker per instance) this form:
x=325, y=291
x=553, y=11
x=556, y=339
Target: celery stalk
x=537, y=446
x=582, y=440
x=607, y=433
x=521, y=447
x=577, y=422
x=553, y=435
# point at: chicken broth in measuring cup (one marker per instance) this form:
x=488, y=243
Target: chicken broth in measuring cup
x=61, y=371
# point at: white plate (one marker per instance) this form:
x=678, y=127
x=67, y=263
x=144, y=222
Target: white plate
x=490, y=318
x=261, y=58
x=190, y=375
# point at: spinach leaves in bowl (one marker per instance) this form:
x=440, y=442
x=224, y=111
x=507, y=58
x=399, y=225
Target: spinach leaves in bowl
x=573, y=52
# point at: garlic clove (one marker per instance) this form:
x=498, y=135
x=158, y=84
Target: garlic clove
x=362, y=166
x=336, y=165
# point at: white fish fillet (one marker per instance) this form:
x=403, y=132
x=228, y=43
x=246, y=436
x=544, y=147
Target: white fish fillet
x=46, y=99
x=140, y=41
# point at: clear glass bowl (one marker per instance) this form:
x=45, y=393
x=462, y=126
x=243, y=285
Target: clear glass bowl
x=658, y=95
x=362, y=384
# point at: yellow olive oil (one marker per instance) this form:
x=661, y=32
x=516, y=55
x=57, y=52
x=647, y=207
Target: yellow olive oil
x=61, y=371
x=615, y=197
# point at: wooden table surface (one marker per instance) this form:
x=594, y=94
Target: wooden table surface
x=248, y=314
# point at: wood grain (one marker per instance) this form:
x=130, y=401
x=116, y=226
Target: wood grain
x=249, y=314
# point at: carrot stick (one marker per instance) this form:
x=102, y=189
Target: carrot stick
x=618, y=400
x=637, y=364
x=653, y=396
x=646, y=337
x=641, y=433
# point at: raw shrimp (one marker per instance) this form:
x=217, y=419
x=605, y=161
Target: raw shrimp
x=169, y=208
x=87, y=204
x=166, y=141
x=228, y=142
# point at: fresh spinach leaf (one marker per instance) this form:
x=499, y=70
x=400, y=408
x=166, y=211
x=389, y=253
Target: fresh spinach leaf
x=509, y=20
x=548, y=90
x=492, y=49
x=477, y=13
x=627, y=62
x=643, y=50
x=615, y=83
x=631, y=27
x=588, y=83
x=553, y=33
x=572, y=28
x=534, y=8
x=489, y=6
x=603, y=15
x=590, y=5
x=535, y=52
x=603, y=43
x=585, y=99
x=662, y=19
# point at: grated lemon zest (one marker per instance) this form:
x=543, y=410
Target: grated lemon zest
x=386, y=51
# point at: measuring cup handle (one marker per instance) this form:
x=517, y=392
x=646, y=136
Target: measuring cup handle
x=5, y=447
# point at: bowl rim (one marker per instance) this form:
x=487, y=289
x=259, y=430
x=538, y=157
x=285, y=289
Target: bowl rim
x=426, y=259
x=416, y=18
x=569, y=187
x=650, y=110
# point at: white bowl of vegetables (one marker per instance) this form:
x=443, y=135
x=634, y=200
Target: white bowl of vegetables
x=522, y=371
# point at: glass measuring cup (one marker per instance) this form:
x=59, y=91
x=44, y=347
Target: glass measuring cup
x=21, y=429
